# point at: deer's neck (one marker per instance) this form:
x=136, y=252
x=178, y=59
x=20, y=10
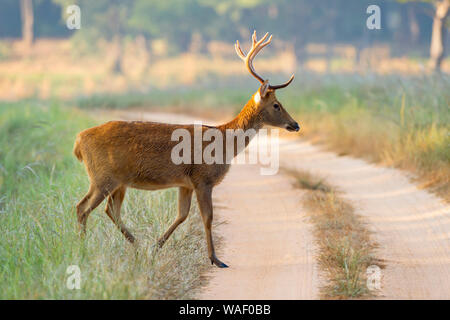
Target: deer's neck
x=242, y=128
x=247, y=119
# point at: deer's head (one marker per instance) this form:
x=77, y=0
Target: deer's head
x=270, y=110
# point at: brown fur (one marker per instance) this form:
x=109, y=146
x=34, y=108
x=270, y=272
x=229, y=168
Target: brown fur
x=118, y=155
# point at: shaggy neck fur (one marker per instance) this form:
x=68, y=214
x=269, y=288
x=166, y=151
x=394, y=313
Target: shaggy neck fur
x=249, y=118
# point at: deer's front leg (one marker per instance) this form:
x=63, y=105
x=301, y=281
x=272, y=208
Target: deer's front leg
x=204, y=198
x=184, y=204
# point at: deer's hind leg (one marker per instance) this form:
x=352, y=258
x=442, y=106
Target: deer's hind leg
x=90, y=201
x=113, y=206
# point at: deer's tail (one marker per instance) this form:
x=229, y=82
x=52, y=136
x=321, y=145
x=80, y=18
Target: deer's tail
x=76, y=149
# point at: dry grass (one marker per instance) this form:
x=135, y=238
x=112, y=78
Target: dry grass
x=346, y=249
x=59, y=69
x=421, y=151
x=63, y=69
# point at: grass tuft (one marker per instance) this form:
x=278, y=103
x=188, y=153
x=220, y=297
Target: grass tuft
x=346, y=249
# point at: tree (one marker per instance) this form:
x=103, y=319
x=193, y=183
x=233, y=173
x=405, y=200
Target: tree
x=26, y=10
x=437, y=38
x=441, y=12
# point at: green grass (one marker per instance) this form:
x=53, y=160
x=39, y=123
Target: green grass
x=40, y=183
x=393, y=120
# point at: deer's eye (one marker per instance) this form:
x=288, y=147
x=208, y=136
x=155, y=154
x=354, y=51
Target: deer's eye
x=276, y=106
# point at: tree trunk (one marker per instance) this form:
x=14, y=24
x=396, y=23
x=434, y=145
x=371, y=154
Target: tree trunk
x=26, y=8
x=414, y=27
x=117, y=64
x=437, y=36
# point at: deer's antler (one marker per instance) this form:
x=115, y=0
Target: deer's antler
x=248, y=59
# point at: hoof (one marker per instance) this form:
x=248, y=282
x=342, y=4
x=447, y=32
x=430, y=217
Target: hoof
x=218, y=263
x=161, y=243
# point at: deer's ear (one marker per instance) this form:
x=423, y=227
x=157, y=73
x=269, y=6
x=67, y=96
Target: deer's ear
x=264, y=89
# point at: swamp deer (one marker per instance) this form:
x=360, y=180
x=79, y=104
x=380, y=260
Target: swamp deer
x=120, y=155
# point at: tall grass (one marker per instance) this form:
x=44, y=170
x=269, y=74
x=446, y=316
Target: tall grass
x=40, y=183
x=394, y=120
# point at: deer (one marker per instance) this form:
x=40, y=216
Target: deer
x=135, y=154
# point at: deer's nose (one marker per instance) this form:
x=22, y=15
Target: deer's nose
x=293, y=127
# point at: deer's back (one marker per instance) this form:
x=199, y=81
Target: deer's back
x=138, y=154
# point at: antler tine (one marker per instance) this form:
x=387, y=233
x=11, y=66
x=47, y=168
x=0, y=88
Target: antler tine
x=282, y=85
x=261, y=45
x=238, y=49
x=254, y=41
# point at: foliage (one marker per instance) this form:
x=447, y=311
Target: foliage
x=299, y=21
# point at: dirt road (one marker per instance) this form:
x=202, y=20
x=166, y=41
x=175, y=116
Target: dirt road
x=411, y=226
x=269, y=246
x=266, y=239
